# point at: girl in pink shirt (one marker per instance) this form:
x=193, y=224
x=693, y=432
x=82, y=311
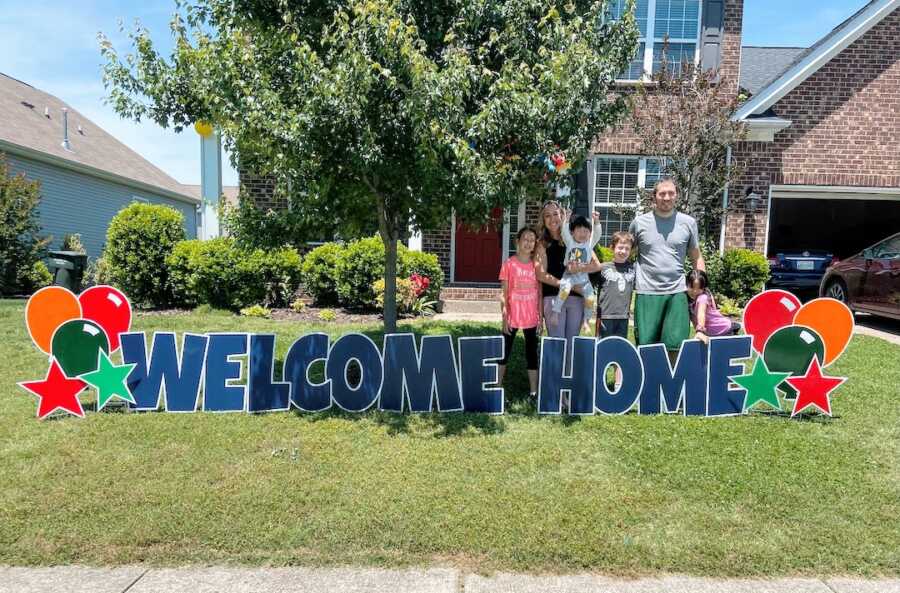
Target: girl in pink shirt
x=706, y=317
x=520, y=305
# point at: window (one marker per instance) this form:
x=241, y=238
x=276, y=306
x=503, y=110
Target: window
x=889, y=249
x=616, y=183
x=676, y=22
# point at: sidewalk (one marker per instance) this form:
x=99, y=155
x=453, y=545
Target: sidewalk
x=136, y=579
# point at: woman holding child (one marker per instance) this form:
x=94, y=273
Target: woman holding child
x=550, y=265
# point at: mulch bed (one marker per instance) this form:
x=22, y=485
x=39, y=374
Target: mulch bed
x=313, y=314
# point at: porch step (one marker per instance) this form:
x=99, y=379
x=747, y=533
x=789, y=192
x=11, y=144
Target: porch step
x=471, y=293
x=472, y=307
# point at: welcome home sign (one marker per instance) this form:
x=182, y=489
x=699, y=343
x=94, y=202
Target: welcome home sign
x=235, y=371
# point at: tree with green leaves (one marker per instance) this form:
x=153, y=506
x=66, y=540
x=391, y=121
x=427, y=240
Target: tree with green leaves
x=401, y=110
x=21, y=246
x=684, y=115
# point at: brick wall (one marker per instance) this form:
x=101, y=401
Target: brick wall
x=261, y=189
x=437, y=241
x=845, y=128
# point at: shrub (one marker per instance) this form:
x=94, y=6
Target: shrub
x=219, y=273
x=297, y=305
x=423, y=264
x=21, y=246
x=279, y=271
x=406, y=294
x=737, y=275
x=361, y=265
x=319, y=273
x=742, y=275
x=139, y=239
x=256, y=311
x=728, y=307
x=97, y=272
x=603, y=253
x=327, y=315
x=72, y=242
x=36, y=278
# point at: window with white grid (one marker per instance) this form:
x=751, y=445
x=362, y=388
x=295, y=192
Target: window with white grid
x=616, y=183
x=673, y=22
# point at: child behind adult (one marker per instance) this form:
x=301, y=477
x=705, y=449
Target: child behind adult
x=520, y=305
x=707, y=319
x=616, y=288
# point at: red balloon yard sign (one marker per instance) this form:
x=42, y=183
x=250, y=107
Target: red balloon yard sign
x=787, y=347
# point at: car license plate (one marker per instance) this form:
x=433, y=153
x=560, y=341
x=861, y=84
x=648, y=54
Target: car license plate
x=805, y=264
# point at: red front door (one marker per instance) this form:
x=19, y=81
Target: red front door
x=479, y=250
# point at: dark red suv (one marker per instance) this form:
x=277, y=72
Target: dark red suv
x=868, y=281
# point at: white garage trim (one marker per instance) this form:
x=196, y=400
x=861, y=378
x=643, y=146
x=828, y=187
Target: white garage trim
x=834, y=192
x=826, y=192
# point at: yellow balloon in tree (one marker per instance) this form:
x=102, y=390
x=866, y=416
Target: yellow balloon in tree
x=204, y=128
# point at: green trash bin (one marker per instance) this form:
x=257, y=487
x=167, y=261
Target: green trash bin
x=67, y=268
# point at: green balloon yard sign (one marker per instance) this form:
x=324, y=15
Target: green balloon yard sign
x=788, y=347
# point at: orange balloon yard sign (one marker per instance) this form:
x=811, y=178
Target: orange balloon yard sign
x=780, y=362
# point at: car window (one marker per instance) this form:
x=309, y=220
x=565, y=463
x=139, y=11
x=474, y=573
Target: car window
x=889, y=249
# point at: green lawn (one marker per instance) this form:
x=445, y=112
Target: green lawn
x=633, y=495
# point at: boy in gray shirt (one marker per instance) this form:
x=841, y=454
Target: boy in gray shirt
x=616, y=287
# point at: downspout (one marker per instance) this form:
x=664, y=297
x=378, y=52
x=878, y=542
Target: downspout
x=725, y=203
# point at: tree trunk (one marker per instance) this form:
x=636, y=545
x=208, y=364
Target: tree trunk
x=387, y=228
x=390, y=284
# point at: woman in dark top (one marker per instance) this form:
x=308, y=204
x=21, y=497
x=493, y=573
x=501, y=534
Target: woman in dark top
x=550, y=266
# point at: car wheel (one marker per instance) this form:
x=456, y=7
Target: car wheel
x=837, y=290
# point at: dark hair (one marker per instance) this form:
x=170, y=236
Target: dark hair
x=621, y=237
x=664, y=179
x=579, y=221
x=526, y=229
x=698, y=276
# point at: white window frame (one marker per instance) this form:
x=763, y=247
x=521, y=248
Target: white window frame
x=649, y=42
x=641, y=181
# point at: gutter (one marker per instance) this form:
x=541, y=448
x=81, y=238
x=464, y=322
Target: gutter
x=16, y=149
x=725, y=204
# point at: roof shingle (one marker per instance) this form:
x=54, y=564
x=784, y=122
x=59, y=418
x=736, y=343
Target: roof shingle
x=24, y=123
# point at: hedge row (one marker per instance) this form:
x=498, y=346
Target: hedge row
x=148, y=257
x=218, y=273
x=345, y=274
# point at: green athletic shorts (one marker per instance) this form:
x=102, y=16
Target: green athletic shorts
x=662, y=318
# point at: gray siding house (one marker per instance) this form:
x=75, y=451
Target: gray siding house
x=86, y=175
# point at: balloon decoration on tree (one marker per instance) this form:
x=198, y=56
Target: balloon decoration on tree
x=203, y=128
x=78, y=332
x=795, y=342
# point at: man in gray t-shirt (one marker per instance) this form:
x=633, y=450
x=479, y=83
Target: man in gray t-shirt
x=663, y=237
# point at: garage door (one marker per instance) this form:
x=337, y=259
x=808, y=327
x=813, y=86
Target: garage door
x=839, y=221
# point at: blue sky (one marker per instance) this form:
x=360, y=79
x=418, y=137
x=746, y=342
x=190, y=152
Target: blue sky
x=52, y=45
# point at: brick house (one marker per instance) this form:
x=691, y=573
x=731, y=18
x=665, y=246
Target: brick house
x=822, y=150
x=707, y=32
